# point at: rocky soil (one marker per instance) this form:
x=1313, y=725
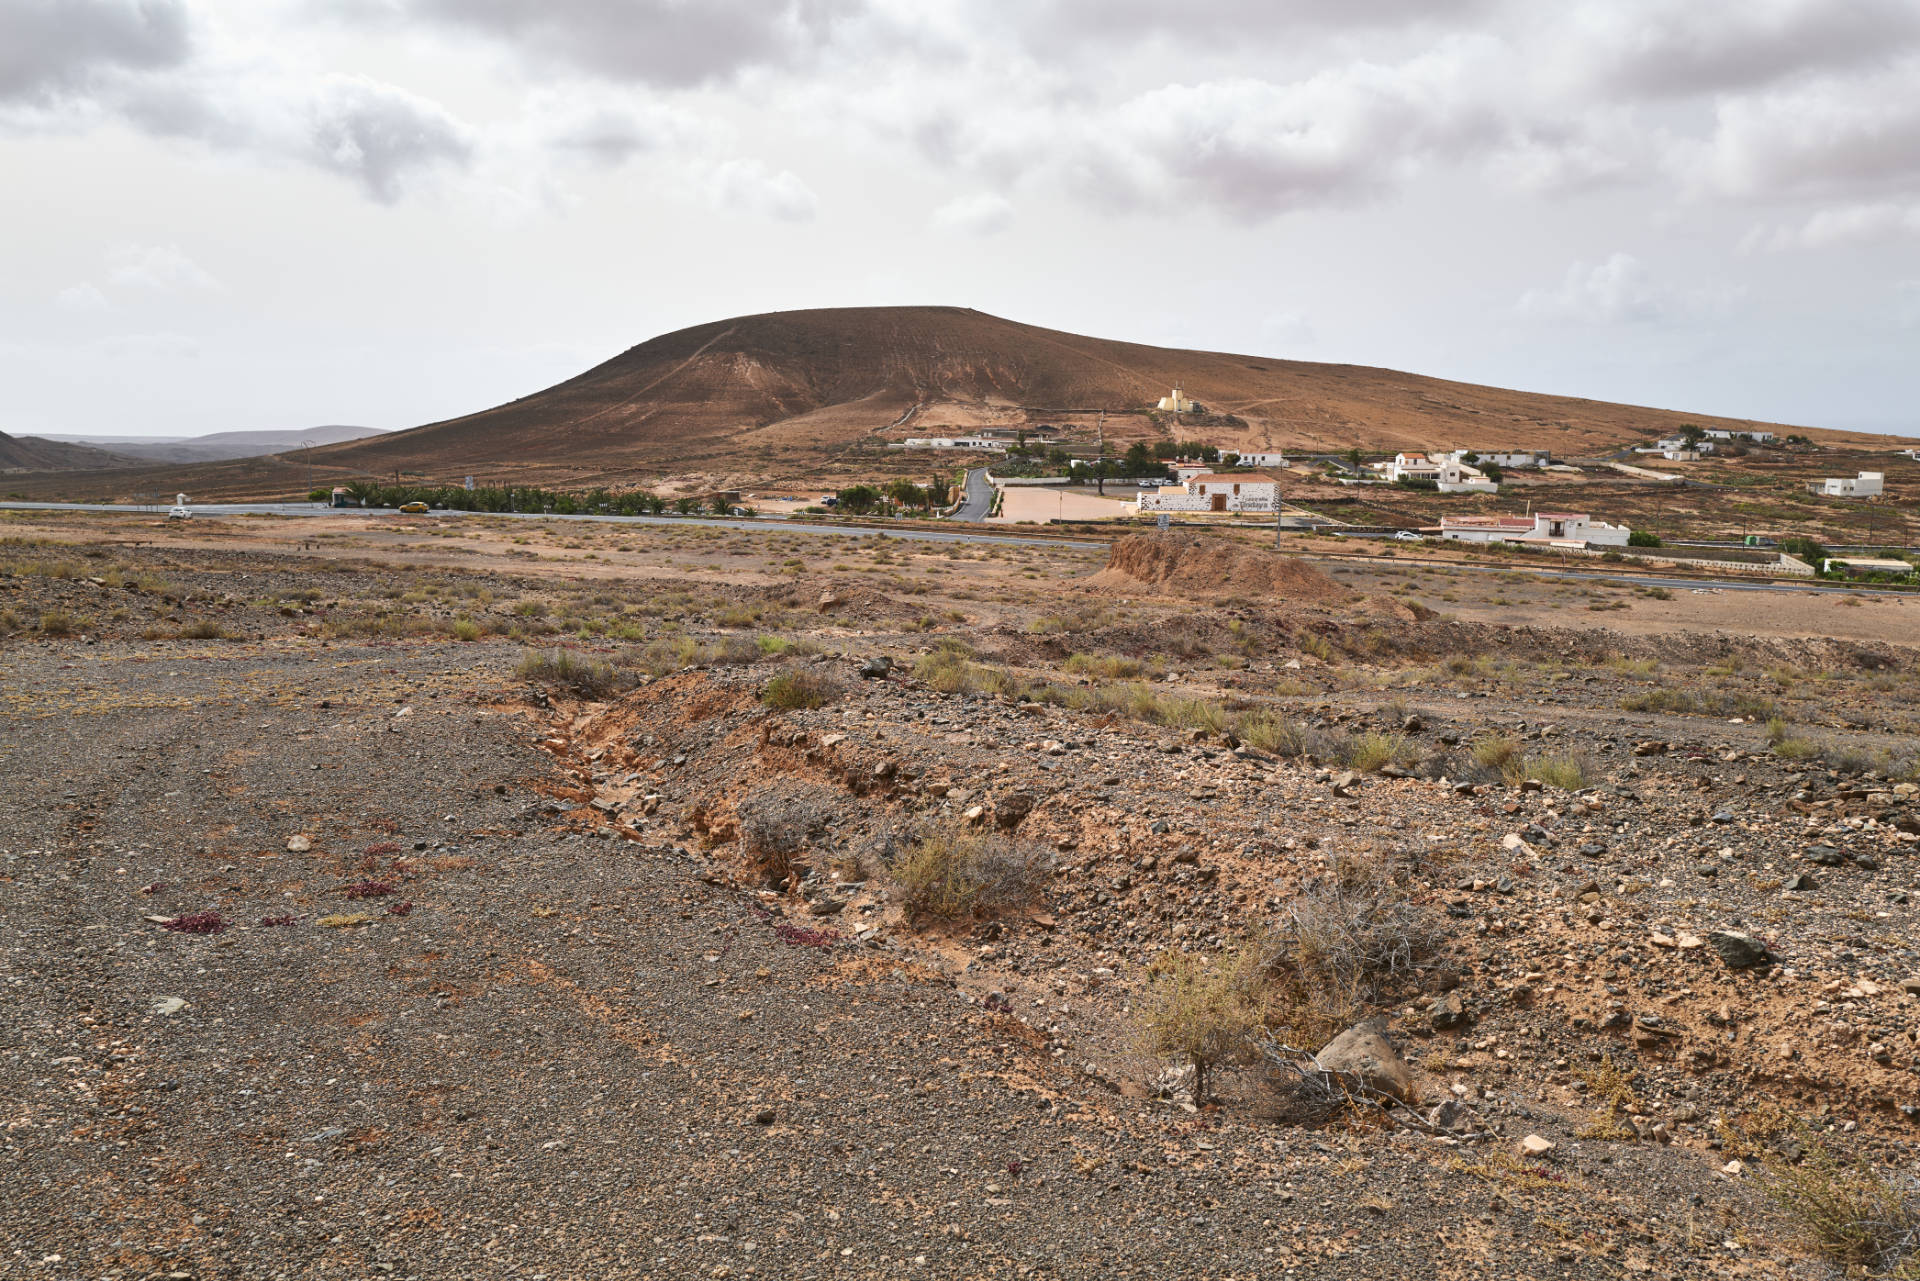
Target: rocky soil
x=335, y=954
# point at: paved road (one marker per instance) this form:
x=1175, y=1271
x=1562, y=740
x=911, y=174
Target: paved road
x=979, y=500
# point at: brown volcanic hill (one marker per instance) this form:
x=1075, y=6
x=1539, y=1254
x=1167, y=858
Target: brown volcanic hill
x=26, y=453
x=803, y=381
x=800, y=397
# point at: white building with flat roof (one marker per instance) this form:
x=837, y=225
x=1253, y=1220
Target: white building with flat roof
x=1868, y=484
x=1553, y=529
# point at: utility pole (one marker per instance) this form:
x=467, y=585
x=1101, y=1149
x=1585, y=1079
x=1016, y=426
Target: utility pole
x=1278, y=507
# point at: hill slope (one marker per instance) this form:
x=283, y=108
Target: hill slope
x=220, y=444
x=789, y=383
x=31, y=454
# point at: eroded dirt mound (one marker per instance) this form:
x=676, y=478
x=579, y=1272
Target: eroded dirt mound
x=1180, y=564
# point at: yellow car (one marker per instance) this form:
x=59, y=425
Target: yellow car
x=414, y=509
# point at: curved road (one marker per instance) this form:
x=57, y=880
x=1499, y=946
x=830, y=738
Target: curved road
x=979, y=500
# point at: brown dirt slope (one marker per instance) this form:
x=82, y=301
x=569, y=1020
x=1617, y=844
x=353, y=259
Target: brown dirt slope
x=825, y=377
x=1180, y=564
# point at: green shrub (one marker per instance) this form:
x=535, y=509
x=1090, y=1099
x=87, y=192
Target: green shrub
x=1643, y=538
x=1207, y=1014
x=800, y=689
x=56, y=622
x=466, y=629
x=1372, y=751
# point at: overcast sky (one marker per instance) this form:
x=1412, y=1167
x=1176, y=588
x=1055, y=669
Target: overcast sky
x=233, y=214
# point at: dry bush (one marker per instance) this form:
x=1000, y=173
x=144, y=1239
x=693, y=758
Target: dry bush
x=1205, y=1014
x=201, y=629
x=1341, y=940
x=587, y=677
x=778, y=823
x=800, y=689
x=951, y=872
x=1850, y=1212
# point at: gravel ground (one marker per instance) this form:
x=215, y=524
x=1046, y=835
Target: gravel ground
x=513, y=1018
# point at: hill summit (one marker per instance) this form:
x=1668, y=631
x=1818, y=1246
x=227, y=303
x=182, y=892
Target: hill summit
x=798, y=384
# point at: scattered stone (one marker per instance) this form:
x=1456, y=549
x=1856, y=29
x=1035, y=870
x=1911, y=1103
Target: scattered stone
x=169, y=1005
x=1534, y=1145
x=1363, y=1054
x=877, y=668
x=299, y=844
x=1739, y=951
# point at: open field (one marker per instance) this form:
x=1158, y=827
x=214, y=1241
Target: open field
x=587, y=899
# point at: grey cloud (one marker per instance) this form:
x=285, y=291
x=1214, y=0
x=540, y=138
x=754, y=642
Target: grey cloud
x=663, y=42
x=52, y=48
x=1853, y=135
x=380, y=135
x=1657, y=49
x=1056, y=27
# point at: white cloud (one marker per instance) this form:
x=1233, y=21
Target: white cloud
x=1617, y=291
x=983, y=214
x=82, y=299
x=1841, y=225
x=162, y=268
x=749, y=186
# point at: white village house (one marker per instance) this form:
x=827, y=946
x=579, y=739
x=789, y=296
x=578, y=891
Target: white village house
x=950, y=442
x=1444, y=470
x=1238, y=491
x=1552, y=529
x=1868, y=484
x=1504, y=457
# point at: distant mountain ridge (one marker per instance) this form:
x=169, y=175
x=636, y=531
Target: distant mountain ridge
x=217, y=445
x=32, y=453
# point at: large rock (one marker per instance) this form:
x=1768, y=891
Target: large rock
x=1739, y=951
x=1364, y=1055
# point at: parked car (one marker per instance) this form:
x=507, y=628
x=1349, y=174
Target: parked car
x=1405, y=536
x=180, y=513
x=414, y=509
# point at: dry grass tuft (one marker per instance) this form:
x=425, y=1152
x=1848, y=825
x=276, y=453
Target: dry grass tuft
x=953, y=872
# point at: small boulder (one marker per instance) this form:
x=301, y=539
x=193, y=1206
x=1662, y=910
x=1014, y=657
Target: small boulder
x=1739, y=951
x=299, y=844
x=877, y=668
x=1534, y=1145
x=1449, y=1012
x=1010, y=809
x=1363, y=1054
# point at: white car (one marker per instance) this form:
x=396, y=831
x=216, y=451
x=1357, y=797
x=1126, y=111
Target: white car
x=180, y=513
x=1405, y=536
